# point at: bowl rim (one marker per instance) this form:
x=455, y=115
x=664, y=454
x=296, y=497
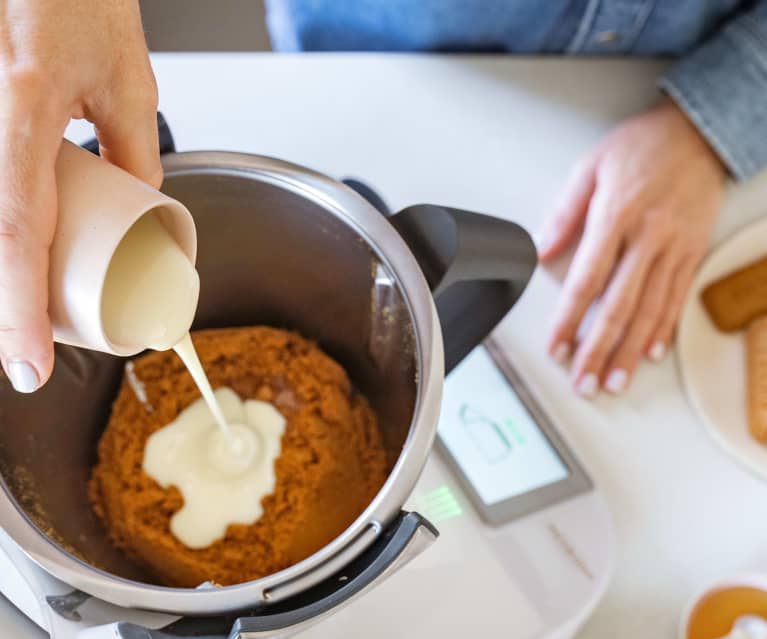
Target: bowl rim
x=353, y=210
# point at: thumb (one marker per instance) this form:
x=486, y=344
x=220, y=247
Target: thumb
x=126, y=127
x=559, y=229
x=28, y=151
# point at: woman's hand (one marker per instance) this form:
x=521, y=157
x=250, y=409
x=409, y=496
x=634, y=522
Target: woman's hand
x=60, y=59
x=646, y=198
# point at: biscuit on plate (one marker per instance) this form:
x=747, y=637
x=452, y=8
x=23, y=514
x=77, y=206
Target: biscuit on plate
x=738, y=298
x=756, y=378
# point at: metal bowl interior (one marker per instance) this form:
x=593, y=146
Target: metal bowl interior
x=275, y=249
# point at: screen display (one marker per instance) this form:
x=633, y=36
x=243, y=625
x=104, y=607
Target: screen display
x=491, y=435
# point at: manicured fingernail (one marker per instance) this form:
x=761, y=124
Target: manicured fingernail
x=616, y=381
x=587, y=386
x=657, y=351
x=23, y=376
x=561, y=352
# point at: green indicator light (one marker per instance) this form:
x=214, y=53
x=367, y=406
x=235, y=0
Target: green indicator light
x=518, y=437
x=437, y=518
x=438, y=505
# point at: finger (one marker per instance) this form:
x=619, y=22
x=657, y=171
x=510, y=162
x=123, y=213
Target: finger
x=586, y=278
x=612, y=318
x=657, y=346
x=561, y=226
x=126, y=127
x=29, y=140
x=652, y=304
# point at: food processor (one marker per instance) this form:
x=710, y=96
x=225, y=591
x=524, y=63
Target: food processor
x=397, y=300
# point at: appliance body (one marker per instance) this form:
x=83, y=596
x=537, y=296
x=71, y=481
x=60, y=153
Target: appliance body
x=282, y=245
x=539, y=577
x=536, y=577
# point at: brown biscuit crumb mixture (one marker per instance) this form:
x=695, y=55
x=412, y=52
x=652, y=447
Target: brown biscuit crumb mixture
x=331, y=465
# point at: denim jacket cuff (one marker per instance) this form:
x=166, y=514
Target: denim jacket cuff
x=722, y=88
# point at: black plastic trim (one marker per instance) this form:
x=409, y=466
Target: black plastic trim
x=476, y=265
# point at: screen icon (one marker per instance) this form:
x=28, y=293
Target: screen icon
x=487, y=434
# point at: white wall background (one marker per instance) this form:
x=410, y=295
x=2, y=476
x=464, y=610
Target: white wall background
x=205, y=25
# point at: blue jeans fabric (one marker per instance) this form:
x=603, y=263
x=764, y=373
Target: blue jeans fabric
x=719, y=79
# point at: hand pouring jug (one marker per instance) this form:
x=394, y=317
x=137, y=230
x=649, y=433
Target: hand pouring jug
x=97, y=205
x=397, y=299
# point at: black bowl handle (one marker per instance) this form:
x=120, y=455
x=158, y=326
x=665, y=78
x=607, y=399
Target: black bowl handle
x=167, y=145
x=399, y=542
x=476, y=265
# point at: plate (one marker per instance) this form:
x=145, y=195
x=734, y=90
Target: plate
x=712, y=363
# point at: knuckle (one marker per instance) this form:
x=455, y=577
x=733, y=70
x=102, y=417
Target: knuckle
x=562, y=327
x=29, y=83
x=630, y=348
x=596, y=354
x=134, y=97
x=643, y=326
x=29, y=95
x=20, y=244
x=654, y=231
x=601, y=343
x=621, y=216
x=142, y=95
x=15, y=321
x=565, y=330
x=586, y=286
x=661, y=230
x=593, y=359
x=617, y=211
x=624, y=358
x=8, y=330
x=11, y=230
x=613, y=317
x=150, y=96
x=666, y=323
x=568, y=316
x=582, y=167
x=652, y=311
x=560, y=217
x=678, y=293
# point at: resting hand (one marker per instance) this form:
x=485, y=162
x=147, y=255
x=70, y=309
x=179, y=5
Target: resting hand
x=646, y=198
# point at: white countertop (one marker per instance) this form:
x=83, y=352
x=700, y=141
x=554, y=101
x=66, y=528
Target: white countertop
x=497, y=135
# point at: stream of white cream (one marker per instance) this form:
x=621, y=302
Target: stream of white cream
x=219, y=452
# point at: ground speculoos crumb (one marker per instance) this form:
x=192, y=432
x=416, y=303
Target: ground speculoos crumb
x=331, y=466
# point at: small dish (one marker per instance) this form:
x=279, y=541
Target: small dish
x=756, y=581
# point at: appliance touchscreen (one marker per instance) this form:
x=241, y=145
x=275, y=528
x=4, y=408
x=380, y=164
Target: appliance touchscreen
x=492, y=436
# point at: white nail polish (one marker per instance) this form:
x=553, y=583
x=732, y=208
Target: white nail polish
x=616, y=381
x=587, y=386
x=561, y=352
x=657, y=351
x=23, y=376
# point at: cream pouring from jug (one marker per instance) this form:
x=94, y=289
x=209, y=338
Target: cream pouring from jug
x=122, y=275
x=149, y=299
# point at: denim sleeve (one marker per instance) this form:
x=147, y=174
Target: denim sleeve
x=722, y=88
